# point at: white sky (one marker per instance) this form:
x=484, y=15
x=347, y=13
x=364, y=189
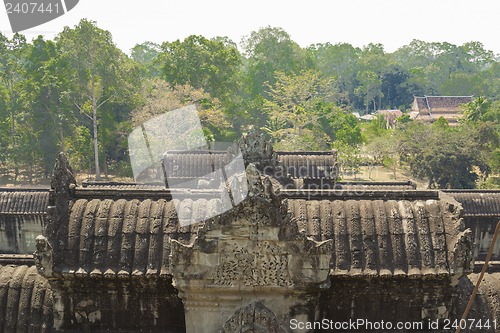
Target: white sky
x=393, y=23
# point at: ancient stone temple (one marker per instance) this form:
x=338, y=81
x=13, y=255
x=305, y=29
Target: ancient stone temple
x=22, y=218
x=290, y=257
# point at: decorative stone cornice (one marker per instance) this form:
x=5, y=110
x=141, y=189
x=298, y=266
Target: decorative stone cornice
x=253, y=251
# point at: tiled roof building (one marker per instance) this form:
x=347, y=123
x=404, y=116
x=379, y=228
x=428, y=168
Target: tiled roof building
x=431, y=108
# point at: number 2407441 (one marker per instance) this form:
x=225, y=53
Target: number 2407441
x=32, y=7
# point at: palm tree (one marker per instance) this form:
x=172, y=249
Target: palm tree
x=475, y=109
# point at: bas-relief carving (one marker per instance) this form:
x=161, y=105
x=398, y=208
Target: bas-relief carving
x=254, y=317
x=263, y=264
x=462, y=255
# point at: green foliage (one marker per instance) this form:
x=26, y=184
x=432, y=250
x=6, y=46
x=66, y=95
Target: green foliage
x=344, y=128
x=441, y=124
x=375, y=128
x=208, y=64
x=340, y=61
x=268, y=51
x=309, y=141
x=298, y=102
x=55, y=95
x=370, y=89
x=404, y=119
x=99, y=73
x=79, y=148
x=348, y=157
x=158, y=97
x=146, y=55
x=294, y=99
x=446, y=158
x=476, y=109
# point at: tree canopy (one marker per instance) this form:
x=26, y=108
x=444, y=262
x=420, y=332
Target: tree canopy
x=83, y=95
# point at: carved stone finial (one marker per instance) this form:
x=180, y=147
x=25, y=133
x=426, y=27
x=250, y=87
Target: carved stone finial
x=260, y=186
x=63, y=176
x=62, y=185
x=255, y=186
x=257, y=149
x=43, y=256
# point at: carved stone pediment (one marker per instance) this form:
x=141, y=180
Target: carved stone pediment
x=254, y=245
x=254, y=251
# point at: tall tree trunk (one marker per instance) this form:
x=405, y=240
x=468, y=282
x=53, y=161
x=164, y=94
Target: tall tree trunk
x=61, y=139
x=96, y=147
x=13, y=133
x=94, y=123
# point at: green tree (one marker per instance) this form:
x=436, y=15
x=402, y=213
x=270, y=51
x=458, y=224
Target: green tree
x=146, y=55
x=267, y=51
x=394, y=88
x=344, y=128
x=297, y=102
x=447, y=158
x=208, y=64
x=13, y=54
x=53, y=115
x=271, y=50
x=370, y=89
x=476, y=109
x=340, y=61
x=100, y=72
x=79, y=148
x=375, y=128
x=158, y=97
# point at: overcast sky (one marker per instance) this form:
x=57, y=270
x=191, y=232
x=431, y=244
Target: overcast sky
x=393, y=23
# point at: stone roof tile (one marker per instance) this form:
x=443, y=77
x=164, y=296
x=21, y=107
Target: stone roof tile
x=377, y=237
x=478, y=203
x=17, y=201
x=26, y=303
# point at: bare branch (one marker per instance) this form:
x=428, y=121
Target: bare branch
x=80, y=109
x=101, y=104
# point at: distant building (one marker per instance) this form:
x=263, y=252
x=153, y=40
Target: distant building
x=431, y=108
x=366, y=117
x=390, y=116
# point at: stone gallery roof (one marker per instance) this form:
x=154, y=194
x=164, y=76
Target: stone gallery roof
x=377, y=237
x=308, y=165
x=486, y=306
x=123, y=237
x=478, y=203
x=22, y=217
x=370, y=186
x=26, y=303
x=304, y=165
x=19, y=201
x=131, y=236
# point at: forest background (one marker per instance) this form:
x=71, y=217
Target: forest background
x=82, y=95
